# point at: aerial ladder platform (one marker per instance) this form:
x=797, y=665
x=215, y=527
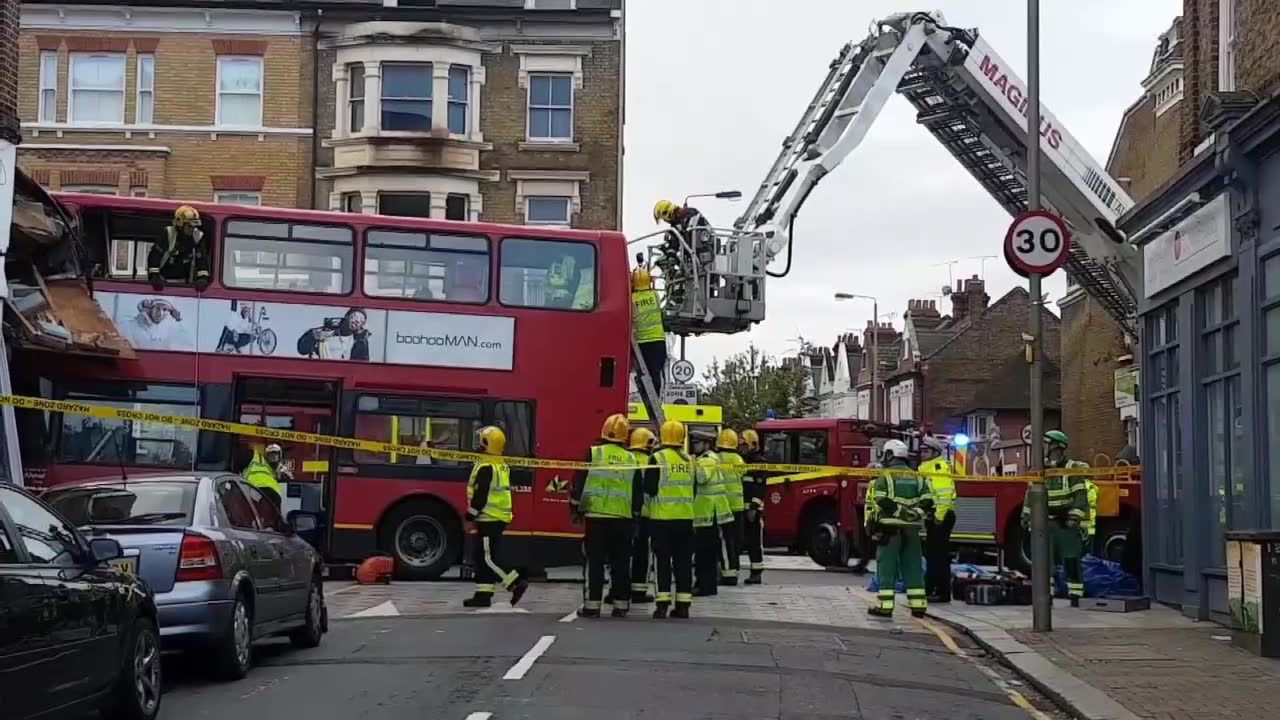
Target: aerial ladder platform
x=971, y=101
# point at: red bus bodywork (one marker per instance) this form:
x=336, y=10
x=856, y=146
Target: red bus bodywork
x=823, y=517
x=567, y=370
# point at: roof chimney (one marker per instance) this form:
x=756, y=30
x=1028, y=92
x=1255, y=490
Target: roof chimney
x=970, y=301
x=924, y=314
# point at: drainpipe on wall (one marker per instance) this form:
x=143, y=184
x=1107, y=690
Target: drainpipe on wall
x=315, y=110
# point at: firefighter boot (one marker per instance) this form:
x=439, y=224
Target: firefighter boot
x=660, y=610
x=619, y=612
x=586, y=612
x=479, y=600
x=681, y=612
x=518, y=590
x=755, y=578
x=879, y=612
x=917, y=612
x=640, y=597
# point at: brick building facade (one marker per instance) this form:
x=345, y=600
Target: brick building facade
x=9, y=128
x=498, y=110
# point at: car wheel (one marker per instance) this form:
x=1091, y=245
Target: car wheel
x=137, y=693
x=233, y=655
x=309, y=635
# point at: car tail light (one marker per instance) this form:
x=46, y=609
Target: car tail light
x=198, y=559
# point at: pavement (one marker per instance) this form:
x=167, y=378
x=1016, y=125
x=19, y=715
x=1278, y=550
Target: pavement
x=1121, y=666
x=800, y=647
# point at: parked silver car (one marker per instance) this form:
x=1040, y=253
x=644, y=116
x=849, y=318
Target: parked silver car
x=225, y=568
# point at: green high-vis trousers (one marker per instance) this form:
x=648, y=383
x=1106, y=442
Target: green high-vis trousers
x=900, y=553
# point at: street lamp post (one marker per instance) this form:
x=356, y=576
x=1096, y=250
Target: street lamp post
x=875, y=345
x=730, y=195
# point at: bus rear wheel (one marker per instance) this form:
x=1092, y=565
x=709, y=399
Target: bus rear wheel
x=424, y=539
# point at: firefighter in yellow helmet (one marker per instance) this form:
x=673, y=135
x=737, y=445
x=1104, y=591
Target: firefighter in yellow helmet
x=731, y=479
x=690, y=232
x=489, y=507
x=609, y=496
x=643, y=444
x=753, y=493
x=937, y=471
x=670, y=495
x=646, y=325
x=182, y=254
x=711, y=514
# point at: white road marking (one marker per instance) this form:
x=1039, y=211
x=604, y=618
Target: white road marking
x=336, y=591
x=570, y=617
x=479, y=716
x=501, y=610
x=386, y=609
x=522, y=666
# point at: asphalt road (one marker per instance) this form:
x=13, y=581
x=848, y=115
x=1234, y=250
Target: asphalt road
x=462, y=666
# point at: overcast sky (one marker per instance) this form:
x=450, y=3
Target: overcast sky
x=713, y=86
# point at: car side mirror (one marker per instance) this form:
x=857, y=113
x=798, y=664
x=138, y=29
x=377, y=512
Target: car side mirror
x=103, y=549
x=302, y=521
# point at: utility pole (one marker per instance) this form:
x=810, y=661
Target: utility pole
x=875, y=358
x=1037, y=495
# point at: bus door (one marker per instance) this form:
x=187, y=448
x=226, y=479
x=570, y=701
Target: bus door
x=308, y=406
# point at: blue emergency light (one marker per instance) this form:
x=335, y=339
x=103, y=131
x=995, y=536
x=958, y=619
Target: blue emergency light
x=960, y=440
x=770, y=414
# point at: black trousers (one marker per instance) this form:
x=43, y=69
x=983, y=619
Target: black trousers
x=640, y=557
x=655, y=359
x=673, y=556
x=753, y=536
x=731, y=545
x=937, y=553
x=706, y=564
x=486, y=556
x=608, y=541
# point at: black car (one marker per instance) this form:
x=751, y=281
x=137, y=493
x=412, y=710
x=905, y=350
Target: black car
x=76, y=632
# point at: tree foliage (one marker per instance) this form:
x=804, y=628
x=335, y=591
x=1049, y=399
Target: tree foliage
x=750, y=383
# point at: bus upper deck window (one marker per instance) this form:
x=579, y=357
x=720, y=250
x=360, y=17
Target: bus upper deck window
x=426, y=266
x=548, y=274
x=263, y=255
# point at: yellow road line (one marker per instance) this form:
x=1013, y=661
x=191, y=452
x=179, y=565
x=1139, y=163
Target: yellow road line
x=1016, y=697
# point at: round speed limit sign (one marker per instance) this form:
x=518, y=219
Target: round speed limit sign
x=1037, y=242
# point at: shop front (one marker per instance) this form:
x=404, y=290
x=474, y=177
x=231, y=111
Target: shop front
x=1210, y=357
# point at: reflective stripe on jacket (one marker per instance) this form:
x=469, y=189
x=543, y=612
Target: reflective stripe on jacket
x=497, y=507
x=260, y=475
x=675, y=497
x=607, y=493
x=711, y=505
x=906, y=490
x=937, y=472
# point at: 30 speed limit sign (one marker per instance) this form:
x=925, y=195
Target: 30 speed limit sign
x=1037, y=242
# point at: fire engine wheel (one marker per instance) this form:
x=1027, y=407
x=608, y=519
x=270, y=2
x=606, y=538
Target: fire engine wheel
x=1110, y=541
x=1017, y=547
x=423, y=538
x=822, y=540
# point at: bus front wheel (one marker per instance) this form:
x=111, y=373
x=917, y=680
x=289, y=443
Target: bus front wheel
x=423, y=537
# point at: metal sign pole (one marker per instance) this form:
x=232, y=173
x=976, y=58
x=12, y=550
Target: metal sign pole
x=1041, y=573
x=12, y=459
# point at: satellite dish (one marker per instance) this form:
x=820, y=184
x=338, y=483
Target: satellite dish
x=946, y=290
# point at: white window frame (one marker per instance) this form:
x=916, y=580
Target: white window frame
x=430, y=99
x=92, y=189
x=465, y=102
x=237, y=197
x=138, y=192
x=568, y=208
x=533, y=5
x=529, y=107
x=218, y=92
x=1227, y=45
x=48, y=84
x=71, y=88
x=145, y=91
x=976, y=421
x=352, y=100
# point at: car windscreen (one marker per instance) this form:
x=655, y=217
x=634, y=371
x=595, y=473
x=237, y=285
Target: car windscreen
x=137, y=503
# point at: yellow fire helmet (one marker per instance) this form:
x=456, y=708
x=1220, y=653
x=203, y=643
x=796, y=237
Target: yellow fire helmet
x=727, y=440
x=672, y=433
x=492, y=440
x=616, y=428
x=186, y=216
x=641, y=279
x=664, y=210
x=643, y=439
x=750, y=440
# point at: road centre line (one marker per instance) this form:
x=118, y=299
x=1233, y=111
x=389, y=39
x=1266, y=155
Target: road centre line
x=569, y=618
x=522, y=666
x=479, y=716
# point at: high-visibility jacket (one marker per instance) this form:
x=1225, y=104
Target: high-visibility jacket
x=711, y=505
x=732, y=480
x=260, y=475
x=646, y=317
x=908, y=491
x=675, y=497
x=937, y=472
x=497, y=507
x=1090, y=523
x=1068, y=495
x=607, y=493
x=643, y=459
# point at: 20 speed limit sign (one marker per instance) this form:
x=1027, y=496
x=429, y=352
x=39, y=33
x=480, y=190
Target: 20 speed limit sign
x=1037, y=242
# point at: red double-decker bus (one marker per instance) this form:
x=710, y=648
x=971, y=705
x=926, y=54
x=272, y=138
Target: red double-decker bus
x=384, y=328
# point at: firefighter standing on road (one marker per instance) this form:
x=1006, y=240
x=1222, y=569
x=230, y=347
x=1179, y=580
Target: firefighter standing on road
x=670, y=494
x=711, y=513
x=753, y=491
x=609, y=496
x=731, y=478
x=643, y=444
x=938, y=525
x=489, y=508
x=896, y=505
x=646, y=323
x=1068, y=513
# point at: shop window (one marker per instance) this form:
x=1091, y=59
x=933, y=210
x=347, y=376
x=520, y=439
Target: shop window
x=1164, y=409
x=1271, y=378
x=1223, y=429
x=298, y=257
x=548, y=274
x=426, y=266
x=102, y=441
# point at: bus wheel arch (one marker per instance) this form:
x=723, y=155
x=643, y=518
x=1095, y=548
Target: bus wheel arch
x=820, y=530
x=424, y=536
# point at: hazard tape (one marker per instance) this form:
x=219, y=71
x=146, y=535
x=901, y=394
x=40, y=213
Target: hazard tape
x=792, y=472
